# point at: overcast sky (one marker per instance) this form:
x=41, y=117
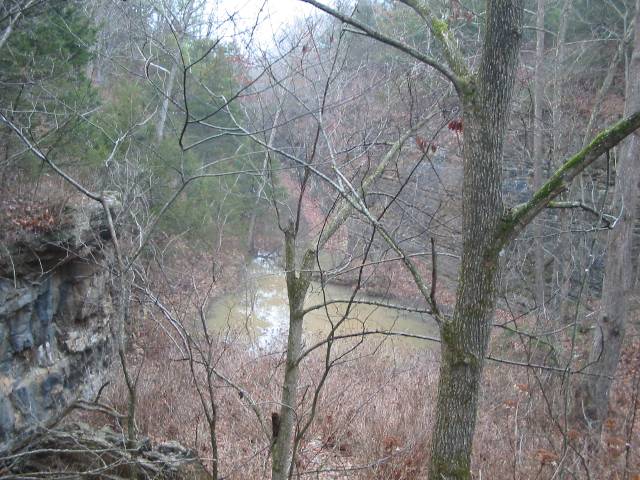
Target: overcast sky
x=274, y=15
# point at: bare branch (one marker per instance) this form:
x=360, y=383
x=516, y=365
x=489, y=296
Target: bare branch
x=381, y=37
x=610, y=220
x=441, y=31
x=367, y=302
x=38, y=153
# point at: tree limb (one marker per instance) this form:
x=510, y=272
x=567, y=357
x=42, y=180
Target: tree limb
x=367, y=302
x=381, y=37
x=516, y=219
x=610, y=220
x=441, y=31
x=38, y=153
x=390, y=333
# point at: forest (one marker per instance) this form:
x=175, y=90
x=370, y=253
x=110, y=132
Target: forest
x=322, y=239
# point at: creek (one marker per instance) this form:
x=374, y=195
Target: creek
x=258, y=312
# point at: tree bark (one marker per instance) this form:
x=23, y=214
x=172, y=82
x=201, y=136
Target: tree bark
x=465, y=337
x=592, y=395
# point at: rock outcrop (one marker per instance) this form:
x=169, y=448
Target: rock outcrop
x=56, y=311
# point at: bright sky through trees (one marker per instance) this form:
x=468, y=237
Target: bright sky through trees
x=266, y=20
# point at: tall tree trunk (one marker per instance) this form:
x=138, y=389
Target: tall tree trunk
x=592, y=396
x=466, y=336
x=538, y=94
x=297, y=287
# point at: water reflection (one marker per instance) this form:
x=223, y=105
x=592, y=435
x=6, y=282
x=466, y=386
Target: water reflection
x=259, y=312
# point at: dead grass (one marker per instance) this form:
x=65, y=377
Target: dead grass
x=375, y=411
x=374, y=416
x=32, y=206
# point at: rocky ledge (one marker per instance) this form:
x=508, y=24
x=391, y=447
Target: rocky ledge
x=56, y=311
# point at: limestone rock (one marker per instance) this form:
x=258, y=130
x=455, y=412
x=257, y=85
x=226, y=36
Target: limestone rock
x=56, y=310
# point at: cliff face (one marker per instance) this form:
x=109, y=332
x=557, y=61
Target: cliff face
x=56, y=312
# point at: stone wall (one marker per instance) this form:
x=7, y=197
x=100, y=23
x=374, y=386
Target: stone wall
x=56, y=315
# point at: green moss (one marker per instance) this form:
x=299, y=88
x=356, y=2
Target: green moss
x=468, y=88
x=601, y=142
x=451, y=468
x=440, y=27
x=455, y=353
x=447, y=334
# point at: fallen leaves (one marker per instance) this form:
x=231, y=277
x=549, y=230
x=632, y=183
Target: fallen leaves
x=546, y=457
x=37, y=223
x=27, y=216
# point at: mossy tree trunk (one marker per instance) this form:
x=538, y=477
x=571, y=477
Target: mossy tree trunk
x=465, y=337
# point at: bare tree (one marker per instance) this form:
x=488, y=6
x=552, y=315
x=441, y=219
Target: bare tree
x=10, y=15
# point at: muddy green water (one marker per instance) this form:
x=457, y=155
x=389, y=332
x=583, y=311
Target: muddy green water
x=258, y=312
